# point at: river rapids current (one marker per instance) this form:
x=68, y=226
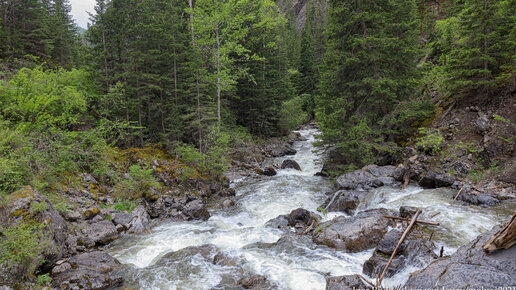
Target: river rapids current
x=240, y=232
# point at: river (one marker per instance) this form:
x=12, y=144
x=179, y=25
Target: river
x=240, y=232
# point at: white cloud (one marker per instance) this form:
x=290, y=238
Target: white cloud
x=80, y=9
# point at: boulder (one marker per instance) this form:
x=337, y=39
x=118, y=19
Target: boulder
x=140, y=222
x=269, y=171
x=228, y=203
x=344, y=200
x=413, y=251
x=480, y=199
x=93, y=270
x=123, y=219
x=289, y=163
x=224, y=259
x=301, y=219
x=407, y=211
x=371, y=176
x=207, y=251
x=91, y=213
x=468, y=267
x=434, y=180
x=255, y=282
x=196, y=210
x=283, y=151
x=345, y=282
x=28, y=205
x=279, y=222
x=353, y=234
x=100, y=233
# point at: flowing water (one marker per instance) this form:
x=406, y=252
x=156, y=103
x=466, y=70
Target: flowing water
x=240, y=232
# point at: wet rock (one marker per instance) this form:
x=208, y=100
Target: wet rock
x=123, y=219
x=228, y=203
x=29, y=205
x=283, y=151
x=353, y=234
x=370, y=176
x=94, y=270
x=255, y=282
x=434, y=180
x=224, y=259
x=279, y=222
x=480, y=199
x=344, y=200
x=196, y=210
x=407, y=211
x=378, y=171
x=289, y=163
x=302, y=218
x=345, y=282
x=100, y=233
x=91, y=213
x=206, y=251
x=269, y=171
x=413, y=251
x=140, y=222
x=468, y=267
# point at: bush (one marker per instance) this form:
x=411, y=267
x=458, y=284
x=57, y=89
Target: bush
x=139, y=183
x=21, y=247
x=431, y=141
x=292, y=114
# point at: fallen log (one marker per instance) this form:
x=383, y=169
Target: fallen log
x=503, y=239
x=407, y=219
x=405, y=234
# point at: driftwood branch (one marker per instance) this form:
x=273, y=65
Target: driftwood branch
x=503, y=239
x=405, y=234
x=458, y=193
x=407, y=219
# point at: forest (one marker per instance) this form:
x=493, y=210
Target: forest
x=197, y=79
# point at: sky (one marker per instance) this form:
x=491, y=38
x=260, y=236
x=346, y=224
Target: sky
x=80, y=9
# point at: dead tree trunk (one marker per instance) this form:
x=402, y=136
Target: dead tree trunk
x=503, y=239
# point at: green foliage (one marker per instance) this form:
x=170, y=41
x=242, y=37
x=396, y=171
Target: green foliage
x=44, y=279
x=431, y=141
x=125, y=205
x=21, y=247
x=39, y=206
x=292, y=113
x=138, y=184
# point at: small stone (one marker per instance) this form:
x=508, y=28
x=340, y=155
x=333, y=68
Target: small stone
x=228, y=203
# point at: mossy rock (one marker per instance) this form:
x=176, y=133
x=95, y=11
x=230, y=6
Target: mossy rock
x=91, y=213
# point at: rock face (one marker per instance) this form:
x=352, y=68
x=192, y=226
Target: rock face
x=140, y=222
x=94, y=270
x=353, y=234
x=100, y=233
x=289, y=163
x=413, y=251
x=434, y=180
x=371, y=176
x=29, y=205
x=344, y=200
x=345, y=282
x=469, y=267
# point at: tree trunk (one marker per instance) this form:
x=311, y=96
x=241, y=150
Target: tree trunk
x=218, y=75
x=190, y=3
x=105, y=60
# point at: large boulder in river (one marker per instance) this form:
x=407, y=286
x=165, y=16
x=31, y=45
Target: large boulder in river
x=29, y=206
x=370, y=176
x=255, y=282
x=269, y=171
x=353, y=234
x=345, y=282
x=140, y=222
x=435, y=180
x=468, y=267
x=283, y=150
x=414, y=251
x=344, y=200
x=196, y=210
x=93, y=270
x=207, y=251
x=289, y=163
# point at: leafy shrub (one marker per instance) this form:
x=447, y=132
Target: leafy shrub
x=39, y=206
x=125, y=205
x=44, y=279
x=139, y=183
x=21, y=247
x=292, y=114
x=431, y=141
